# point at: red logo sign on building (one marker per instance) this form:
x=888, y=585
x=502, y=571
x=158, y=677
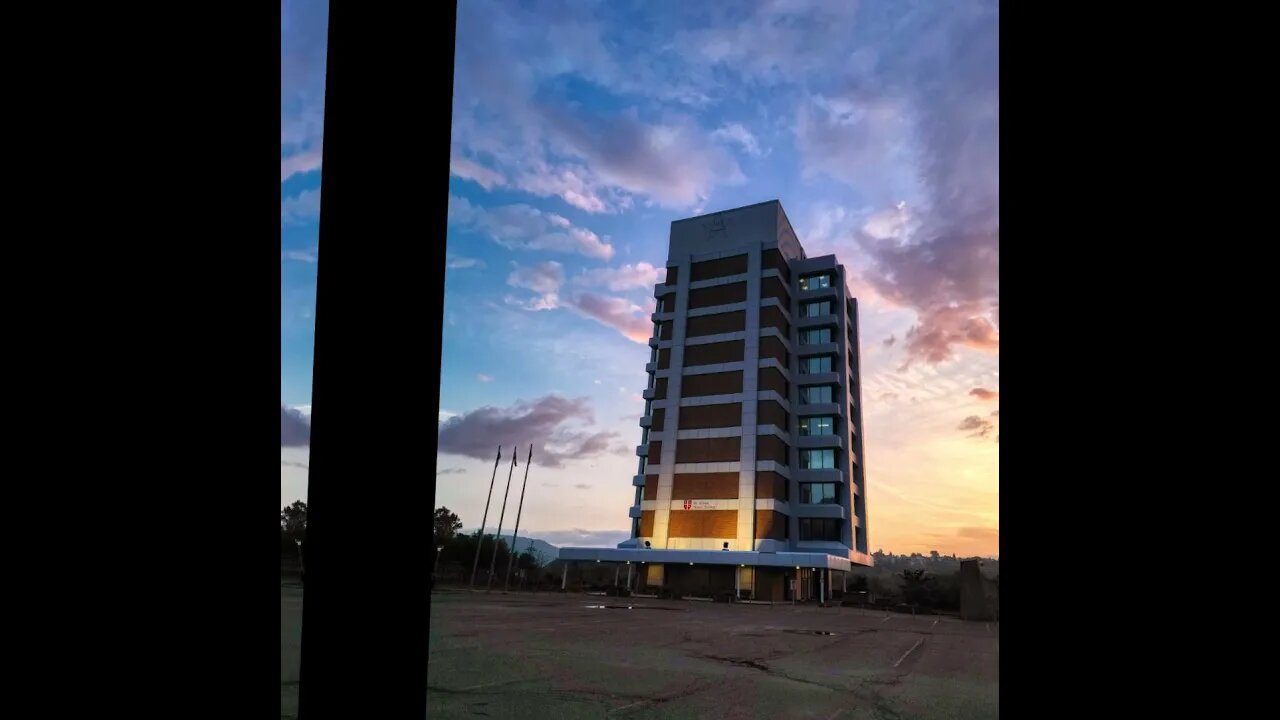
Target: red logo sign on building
x=688, y=504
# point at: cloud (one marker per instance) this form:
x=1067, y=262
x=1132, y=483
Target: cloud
x=522, y=227
x=641, y=276
x=671, y=163
x=510, y=110
x=483, y=378
x=979, y=533
x=302, y=162
x=985, y=394
x=457, y=262
x=889, y=396
x=303, y=42
x=546, y=279
x=910, y=112
x=995, y=413
x=451, y=471
x=295, y=430
x=479, y=174
x=736, y=133
x=889, y=341
x=619, y=313
x=309, y=255
x=300, y=209
x=981, y=426
x=548, y=423
x=582, y=486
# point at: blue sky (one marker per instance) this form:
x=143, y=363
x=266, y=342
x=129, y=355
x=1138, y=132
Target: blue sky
x=580, y=130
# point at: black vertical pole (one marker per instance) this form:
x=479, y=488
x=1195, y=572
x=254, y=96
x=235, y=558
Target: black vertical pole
x=357, y=634
x=475, y=566
x=515, y=533
x=497, y=537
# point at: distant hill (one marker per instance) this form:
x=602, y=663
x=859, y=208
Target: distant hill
x=546, y=549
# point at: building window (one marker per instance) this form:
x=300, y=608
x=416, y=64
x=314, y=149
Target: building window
x=815, y=309
x=815, y=282
x=816, y=364
x=818, y=459
x=820, y=529
x=814, y=394
x=815, y=336
x=818, y=425
x=661, y=306
x=818, y=494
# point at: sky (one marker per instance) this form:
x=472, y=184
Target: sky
x=581, y=129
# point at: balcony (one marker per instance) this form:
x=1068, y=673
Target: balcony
x=653, y=342
x=646, y=421
x=642, y=450
x=828, y=378
x=831, y=510
x=820, y=441
x=816, y=321
x=832, y=409
x=651, y=366
x=648, y=393
x=637, y=480
x=662, y=289
x=827, y=293
x=835, y=475
x=832, y=349
x=634, y=511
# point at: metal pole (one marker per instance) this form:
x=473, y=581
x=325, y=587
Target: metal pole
x=497, y=537
x=516, y=532
x=822, y=588
x=629, y=576
x=564, y=576
x=475, y=566
x=617, y=570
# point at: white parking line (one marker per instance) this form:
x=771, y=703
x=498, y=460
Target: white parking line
x=835, y=714
x=904, y=655
x=624, y=707
x=988, y=627
x=886, y=618
x=935, y=622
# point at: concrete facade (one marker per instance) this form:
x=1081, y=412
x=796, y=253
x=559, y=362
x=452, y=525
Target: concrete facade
x=740, y=288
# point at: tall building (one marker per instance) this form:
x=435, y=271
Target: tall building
x=751, y=474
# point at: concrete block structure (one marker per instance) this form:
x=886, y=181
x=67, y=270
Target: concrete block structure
x=751, y=476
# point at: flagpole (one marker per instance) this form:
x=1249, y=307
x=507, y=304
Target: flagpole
x=475, y=566
x=497, y=537
x=507, y=578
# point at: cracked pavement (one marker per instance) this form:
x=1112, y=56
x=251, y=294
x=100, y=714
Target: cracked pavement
x=564, y=656
x=702, y=660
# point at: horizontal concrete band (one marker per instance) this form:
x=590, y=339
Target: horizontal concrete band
x=707, y=557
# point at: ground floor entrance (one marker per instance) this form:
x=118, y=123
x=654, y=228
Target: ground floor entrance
x=704, y=580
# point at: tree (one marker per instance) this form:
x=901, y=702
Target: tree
x=447, y=525
x=293, y=521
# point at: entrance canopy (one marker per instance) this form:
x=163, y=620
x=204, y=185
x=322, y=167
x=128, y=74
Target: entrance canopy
x=706, y=557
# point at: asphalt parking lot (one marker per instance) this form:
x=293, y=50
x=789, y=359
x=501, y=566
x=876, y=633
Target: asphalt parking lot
x=554, y=656
x=581, y=656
